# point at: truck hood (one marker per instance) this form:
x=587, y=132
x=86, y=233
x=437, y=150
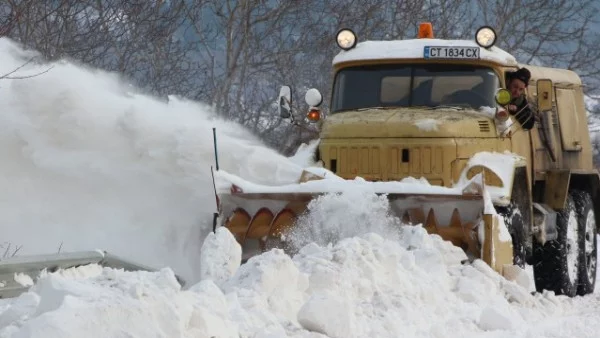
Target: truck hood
x=410, y=122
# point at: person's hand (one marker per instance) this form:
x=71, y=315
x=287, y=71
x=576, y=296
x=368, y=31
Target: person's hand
x=512, y=107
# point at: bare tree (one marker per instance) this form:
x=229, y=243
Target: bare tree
x=13, y=75
x=234, y=54
x=551, y=33
x=143, y=40
x=9, y=250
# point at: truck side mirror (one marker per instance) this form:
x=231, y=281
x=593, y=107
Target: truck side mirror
x=544, y=94
x=285, y=102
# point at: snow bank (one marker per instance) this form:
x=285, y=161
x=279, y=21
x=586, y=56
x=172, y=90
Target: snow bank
x=220, y=256
x=361, y=286
x=376, y=278
x=95, y=302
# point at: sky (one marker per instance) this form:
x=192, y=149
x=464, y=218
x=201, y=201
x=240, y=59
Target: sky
x=90, y=163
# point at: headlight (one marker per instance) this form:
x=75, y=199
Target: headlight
x=346, y=39
x=503, y=97
x=501, y=115
x=485, y=37
x=490, y=177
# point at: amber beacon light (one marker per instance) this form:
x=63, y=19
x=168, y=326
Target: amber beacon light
x=425, y=30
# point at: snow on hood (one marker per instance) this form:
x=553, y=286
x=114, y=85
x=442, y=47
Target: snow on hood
x=427, y=124
x=503, y=165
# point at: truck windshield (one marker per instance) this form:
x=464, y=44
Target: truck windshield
x=415, y=85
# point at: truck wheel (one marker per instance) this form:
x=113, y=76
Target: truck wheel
x=588, y=261
x=513, y=220
x=557, y=263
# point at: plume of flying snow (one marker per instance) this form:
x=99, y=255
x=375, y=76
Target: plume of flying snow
x=89, y=162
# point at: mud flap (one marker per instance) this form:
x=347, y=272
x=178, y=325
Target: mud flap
x=497, y=251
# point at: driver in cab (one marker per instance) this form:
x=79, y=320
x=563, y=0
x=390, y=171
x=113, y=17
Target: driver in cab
x=517, y=82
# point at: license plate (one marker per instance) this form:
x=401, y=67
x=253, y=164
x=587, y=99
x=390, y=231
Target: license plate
x=450, y=52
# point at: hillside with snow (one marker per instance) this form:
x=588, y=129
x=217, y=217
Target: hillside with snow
x=89, y=162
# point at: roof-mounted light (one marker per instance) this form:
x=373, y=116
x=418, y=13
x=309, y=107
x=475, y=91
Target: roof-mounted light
x=485, y=36
x=425, y=30
x=346, y=39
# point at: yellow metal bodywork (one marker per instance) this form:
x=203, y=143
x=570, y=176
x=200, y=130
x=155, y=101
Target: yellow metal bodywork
x=388, y=144
x=496, y=253
x=544, y=94
x=382, y=159
x=381, y=135
x=410, y=122
x=559, y=181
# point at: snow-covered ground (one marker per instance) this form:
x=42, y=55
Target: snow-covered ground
x=87, y=163
x=412, y=285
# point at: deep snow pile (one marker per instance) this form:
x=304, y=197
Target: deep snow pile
x=88, y=163
x=362, y=286
x=383, y=280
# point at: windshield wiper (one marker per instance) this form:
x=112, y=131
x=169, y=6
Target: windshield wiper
x=379, y=108
x=393, y=107
x=447, y=107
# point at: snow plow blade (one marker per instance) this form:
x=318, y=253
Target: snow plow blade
x=258, y=219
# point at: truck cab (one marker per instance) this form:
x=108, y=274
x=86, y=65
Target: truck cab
x=418, y=108
x=425, y=107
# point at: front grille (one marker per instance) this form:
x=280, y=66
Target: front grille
x=387, y=162
x=349, y=161
x=484, y=126
x=415, y=160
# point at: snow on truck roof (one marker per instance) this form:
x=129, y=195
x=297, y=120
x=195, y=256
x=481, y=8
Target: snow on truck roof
x=414, y=49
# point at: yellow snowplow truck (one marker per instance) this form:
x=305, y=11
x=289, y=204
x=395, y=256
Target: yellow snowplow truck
x=440, y=109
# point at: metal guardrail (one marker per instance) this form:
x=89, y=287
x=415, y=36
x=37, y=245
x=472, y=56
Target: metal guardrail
x=33, y=265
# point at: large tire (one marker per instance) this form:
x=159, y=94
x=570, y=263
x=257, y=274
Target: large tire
x=557, y=263
x=588, y=259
